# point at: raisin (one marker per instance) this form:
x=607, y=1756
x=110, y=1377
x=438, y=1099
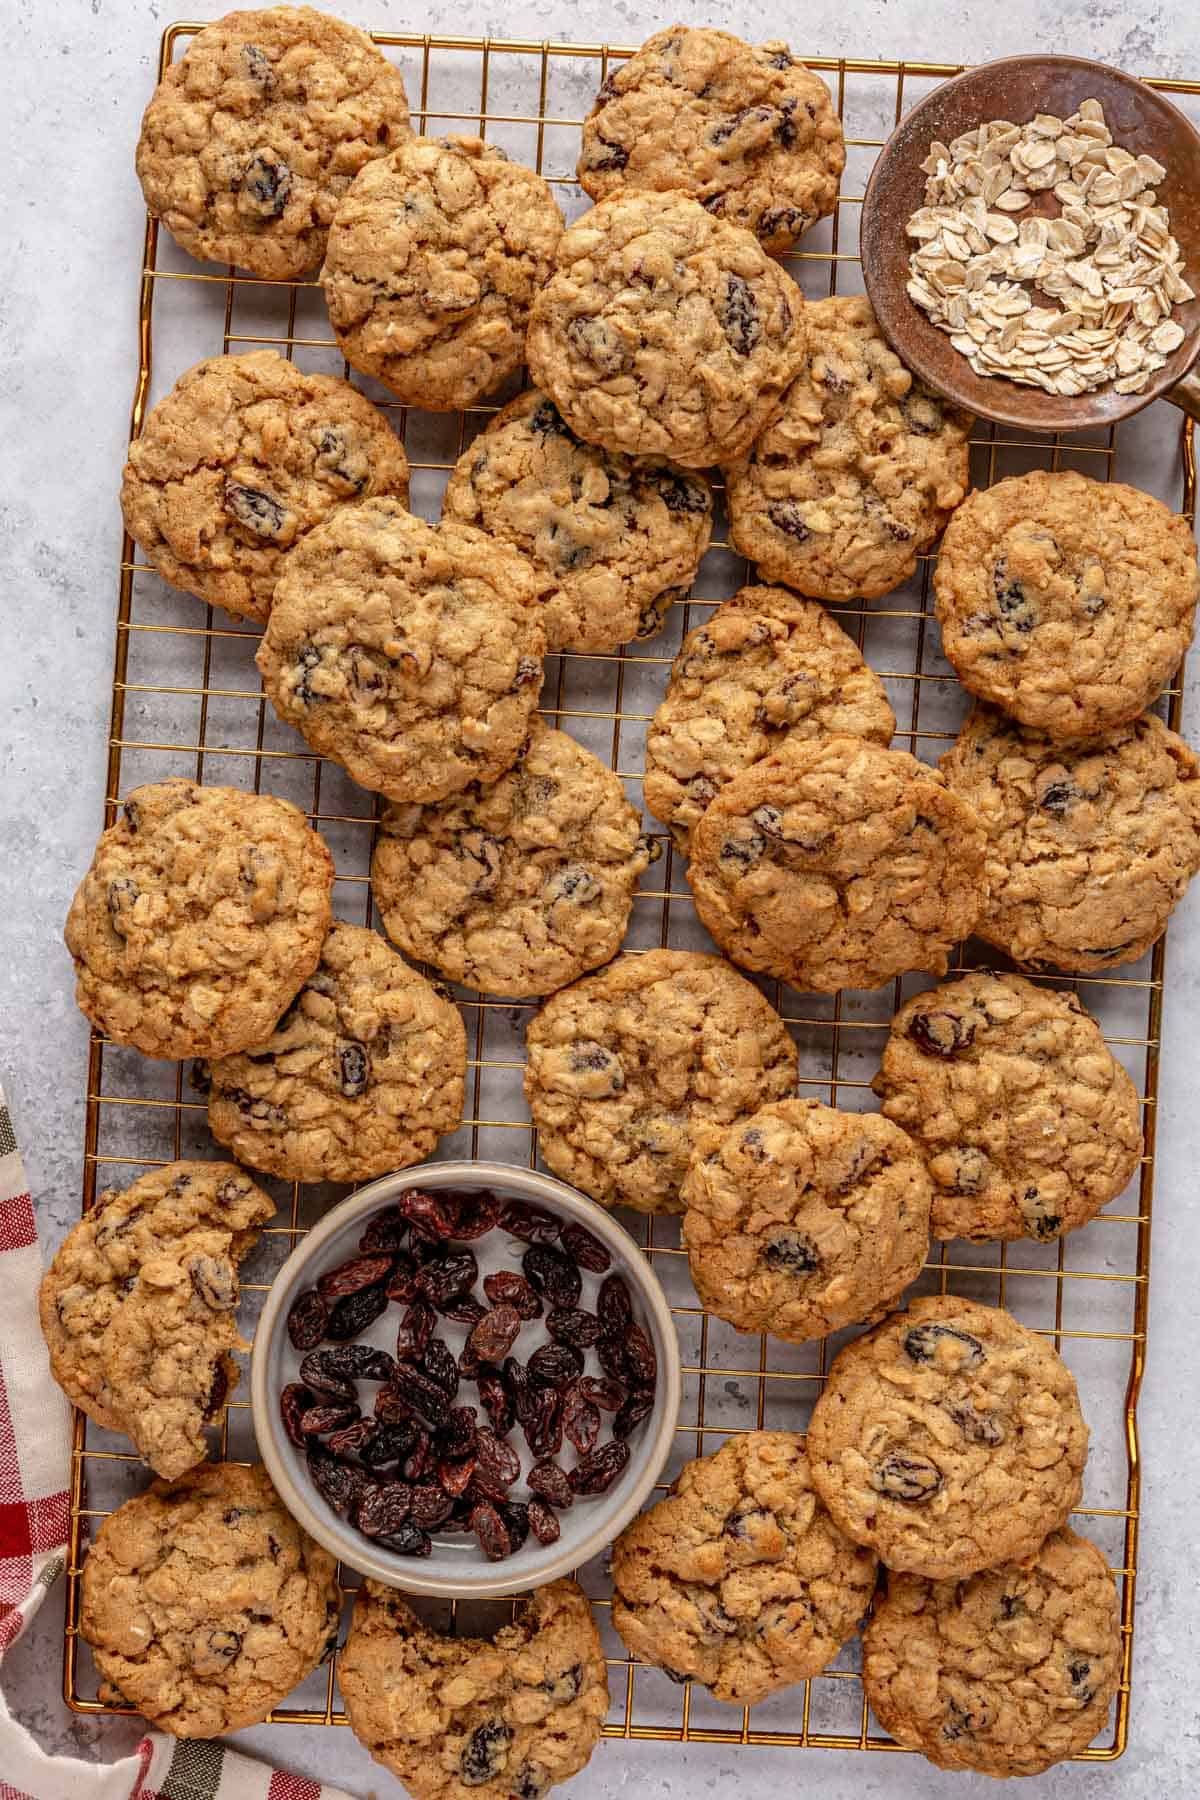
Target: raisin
x=791, y=220
x=547, y=421
x=352, y=1314
x=614, y=1305
x=581, y=1420
x=498, y=1464
x=611, y=156
x=609, y=1395
x=586, y=1249
x=259, y=512
x=495, y=1334
x=507, y=1288
x=570, y=1325
x=294, y=1402
x=440, y=1365
x=906, y=1478
x=391, y=1405
x=384, y=1508
x=326, y=1416
x=496, y=1400
x=426, y=1393
x=480, y=1214
x=389, y=1444
x=596, y=1473
x=409, y=1540
x=542, y=1423
x=133, y=816
x=451, y=1275
x=610, y=1349
x=307, y=1318
x=548, y=1480
x=678, y=492
x=456, y=1473
x=529, y=669
x=791, y=1253
x=553, y=1275
x=121, y=893
x=639, y=1354
x=787, y=516
x=921, y=1344
x=415, y=1330
x=354, y=1067
x=265, y=185
x=556, y=1364
x=981, y=1428
x=637, y=1407
x=404, y=1274
x=351, y=1438
x=214, y=1282
x=543, y=1524
x=386, y=1231
x=1057, y=798
x=457, y=1436
x=339, y=1483
x=430, y=1505
x=739, y=316
x=349, y=1277
x=942, y=1034
x=419, y=1460
x=529, y=1223
x=515, y=1515
x=316, y=1372
x=496, y=1544
x=430, y=1215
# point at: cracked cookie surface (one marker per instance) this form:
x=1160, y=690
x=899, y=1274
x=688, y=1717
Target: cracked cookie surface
x=255, y=134
x=805, y=1219
x=205, y=1603
x=239, y=462
x=433, y=260
x=768, y=669
x=858, y=473
x=202, y=914
x=1067, y=602
x=949, y=1438
x=518, y=885
x=1007, y=1673
x=838, y=864
x=362, y=1074
x=739, y=1579
x=504, y=1718
x=617, y=538
x=746, y=129
x=138, y=1306
x=409, y=653
x=632, y=1070
x=1028, y=1122
x=1090, y=847
x=664, y=331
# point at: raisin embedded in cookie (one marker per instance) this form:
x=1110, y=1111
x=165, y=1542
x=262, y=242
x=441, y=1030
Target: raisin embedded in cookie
x=1028, y=1122
x=138, y=1307
x=1066, y=601
x=859, y=472
x=239, y=461
x=204, y=1602
x=1090, y=846
x=740, y=1579
x=616, y=538
x=518, y=885
x=663, y=331
x=805, y=1219
x=838, y=864
x=202, y=914
x=1008, y=1672
x=746, y=129
x=949, y=1439
x=254, y=135
x=768, y=669
x=631, y=1070
x=504, y=1718
x=362, y=1075
x=409, y=653
x=433, y=259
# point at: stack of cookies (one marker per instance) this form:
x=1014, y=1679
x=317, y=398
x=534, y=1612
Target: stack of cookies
x=663, y=341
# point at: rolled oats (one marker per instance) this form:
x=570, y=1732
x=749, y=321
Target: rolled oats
x=1109, y=258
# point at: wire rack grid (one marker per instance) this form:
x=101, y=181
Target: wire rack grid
x=186, y=701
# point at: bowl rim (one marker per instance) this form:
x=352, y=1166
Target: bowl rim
x=489, y=1581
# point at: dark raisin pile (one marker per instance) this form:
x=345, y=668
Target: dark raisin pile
x=415, y=1457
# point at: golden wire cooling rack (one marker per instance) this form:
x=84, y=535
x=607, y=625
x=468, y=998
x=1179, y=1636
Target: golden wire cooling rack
x=186, y=701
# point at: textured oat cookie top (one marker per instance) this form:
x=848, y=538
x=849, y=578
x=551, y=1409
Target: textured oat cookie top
x=204, y=1602
x=838, y=864
x=242, y=458
x=740, y=1579
x=434, y=257
x=1007, y=1673
x=1089, y=846
x=663, y=331
x=746, y=129
x=137, y=1308
x=631, y=1070
x=767, y=669
x=362, y=1075
x=410, y=653
x=949, y=1438
x=1029, y=1123
x=252, y=138
x=457, y=1718
x=858, y=473
x=805, y=1219
x=617, y=538
x=520, y=885
x=201, y=915
x=1066, y=601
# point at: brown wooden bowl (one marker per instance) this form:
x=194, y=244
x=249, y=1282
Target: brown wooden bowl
x=1017, y=87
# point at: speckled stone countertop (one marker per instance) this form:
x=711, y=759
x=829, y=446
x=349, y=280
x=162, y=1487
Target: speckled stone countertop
x=80, y=73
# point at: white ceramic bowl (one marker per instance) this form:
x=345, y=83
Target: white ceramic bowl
x=457, y=1568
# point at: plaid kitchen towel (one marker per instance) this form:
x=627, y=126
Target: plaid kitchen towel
x=34, y=1456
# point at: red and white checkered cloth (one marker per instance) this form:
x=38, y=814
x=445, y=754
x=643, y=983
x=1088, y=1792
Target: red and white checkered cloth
x=34, y=1456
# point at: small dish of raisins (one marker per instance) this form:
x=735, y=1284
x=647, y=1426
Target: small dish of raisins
x=465, y=1380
